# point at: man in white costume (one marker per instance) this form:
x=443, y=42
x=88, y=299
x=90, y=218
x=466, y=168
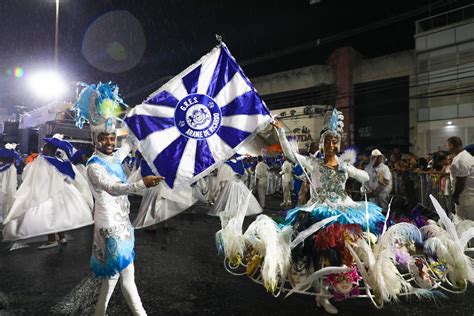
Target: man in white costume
x=233, y=192
x=286, y=180
x=462, y=174
x=113, y=250
x=380, y=183
x=261, y=175
x=53, y=198
x=8, y=178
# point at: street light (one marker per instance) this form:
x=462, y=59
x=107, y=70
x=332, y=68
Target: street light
x=47, y=84
x=56, y=36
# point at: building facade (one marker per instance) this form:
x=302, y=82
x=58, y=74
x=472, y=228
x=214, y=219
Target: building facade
x=444, y=86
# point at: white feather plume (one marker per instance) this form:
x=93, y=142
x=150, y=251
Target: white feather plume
x=386, y=278
x=381, y=274
x=433, y=230
x=349, y=156
x=401, y=233
x=364, y=251
x=461, y=269
x=436, y=246
x=273, y=245
x=465, y=230
x=230, y=235
x=232, y=240
x=466, y=237
x=311, y=230
x=448, y=225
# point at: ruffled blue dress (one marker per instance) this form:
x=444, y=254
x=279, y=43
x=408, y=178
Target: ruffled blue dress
x=331, y=199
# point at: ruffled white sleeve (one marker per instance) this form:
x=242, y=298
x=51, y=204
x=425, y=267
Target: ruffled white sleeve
x=353, y=172
x=101, y=179
x=290, y=154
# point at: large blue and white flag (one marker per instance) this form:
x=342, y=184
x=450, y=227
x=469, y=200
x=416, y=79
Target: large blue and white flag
x=198, y=119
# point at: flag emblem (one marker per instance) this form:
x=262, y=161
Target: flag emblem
x=197, y=116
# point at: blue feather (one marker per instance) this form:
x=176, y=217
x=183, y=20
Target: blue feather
x=334, y=121
x=82, y=105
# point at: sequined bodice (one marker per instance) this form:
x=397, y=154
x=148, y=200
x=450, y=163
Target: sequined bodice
x=333, y=184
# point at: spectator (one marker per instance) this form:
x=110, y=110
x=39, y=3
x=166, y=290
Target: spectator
x=429, y=158
x=422, y=164
x=379, y=185
x=261, y=173
x=462, y=173
x=287, y=179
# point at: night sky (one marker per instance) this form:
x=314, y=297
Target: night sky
x=138, y=43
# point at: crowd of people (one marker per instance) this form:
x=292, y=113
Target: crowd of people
x=62, y=189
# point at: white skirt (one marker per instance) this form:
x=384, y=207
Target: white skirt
x=8, y=184
x=160, y=203
x=64, y=211
x=232, y=196
x=47, y=202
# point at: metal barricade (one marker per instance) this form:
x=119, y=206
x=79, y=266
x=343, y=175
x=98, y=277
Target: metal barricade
x=416, y=187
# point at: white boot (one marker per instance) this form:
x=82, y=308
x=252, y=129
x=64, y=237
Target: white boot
x=323, y=301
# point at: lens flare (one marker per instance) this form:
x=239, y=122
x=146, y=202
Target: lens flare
x=18, y=72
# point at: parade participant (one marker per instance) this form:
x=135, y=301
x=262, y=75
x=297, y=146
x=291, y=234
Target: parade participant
x=213, y=186
x=113, y=246
x=160, y=203
x=134, y=173
x=233, y=191
x=298, y=181
x=31, y=157
x=113, y=250
x=379, y=185
x=273, y=175
x=331, y=174
x=8, y=178
x=79, y=160
x=53, y=198
x=286, y=179
x=462, y=173
x=330, y=202
x=249, y=172
x=261, y=175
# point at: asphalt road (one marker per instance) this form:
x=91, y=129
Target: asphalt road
x=178, y=272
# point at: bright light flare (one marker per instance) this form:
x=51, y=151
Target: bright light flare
x=47, y=85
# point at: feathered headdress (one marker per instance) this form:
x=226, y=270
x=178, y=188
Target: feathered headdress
x=333, y=123
x=100, y=105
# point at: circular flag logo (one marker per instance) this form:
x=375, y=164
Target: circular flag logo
x=197, y=116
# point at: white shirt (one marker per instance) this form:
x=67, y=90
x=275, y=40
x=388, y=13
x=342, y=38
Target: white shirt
x=286, y=170
x=463, y=166
x=373, y=183
x=261, y=170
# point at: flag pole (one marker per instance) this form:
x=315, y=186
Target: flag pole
x=219, y=39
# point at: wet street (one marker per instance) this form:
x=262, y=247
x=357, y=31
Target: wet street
x=178, y=272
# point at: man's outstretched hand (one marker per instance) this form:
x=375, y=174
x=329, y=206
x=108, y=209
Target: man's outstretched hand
x=151, y=181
